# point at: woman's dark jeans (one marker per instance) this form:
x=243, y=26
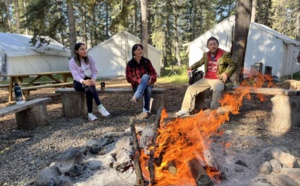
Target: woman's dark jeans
x=90, y=92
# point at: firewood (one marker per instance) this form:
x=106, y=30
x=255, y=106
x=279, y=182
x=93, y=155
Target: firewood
x=137, y=165
x=199, y=174
x=172, y=168
x=211, y=161
x=152, y=158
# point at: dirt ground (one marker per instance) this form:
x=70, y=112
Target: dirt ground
x=24, y=153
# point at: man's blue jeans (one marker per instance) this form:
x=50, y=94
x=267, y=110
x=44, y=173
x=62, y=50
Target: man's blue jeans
x=144, y=88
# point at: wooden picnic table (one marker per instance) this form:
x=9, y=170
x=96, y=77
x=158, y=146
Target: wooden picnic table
x=18, y=78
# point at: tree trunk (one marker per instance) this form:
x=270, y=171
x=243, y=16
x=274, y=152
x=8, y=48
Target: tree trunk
x=84, y=25
x=165, y=61
x=72, y=29
x=298, y=22
x=176, y=35
x=8, y=15
x=135, y=19
x=144, y=5
x=17, y=12
x=24, y=6
x=242, y=23
x=253, y=11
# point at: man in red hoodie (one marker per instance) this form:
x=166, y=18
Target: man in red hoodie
x=219, y=66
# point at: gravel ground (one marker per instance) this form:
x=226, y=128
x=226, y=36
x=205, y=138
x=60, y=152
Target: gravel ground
x=24, y=153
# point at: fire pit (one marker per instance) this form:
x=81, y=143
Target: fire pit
x=175, y=151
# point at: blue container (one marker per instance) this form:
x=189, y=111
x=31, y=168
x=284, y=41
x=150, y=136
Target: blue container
x=18, y=94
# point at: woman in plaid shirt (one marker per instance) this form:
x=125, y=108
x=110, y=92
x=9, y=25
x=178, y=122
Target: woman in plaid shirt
x=141, y=74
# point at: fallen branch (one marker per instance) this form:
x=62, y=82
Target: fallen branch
x=137, y=165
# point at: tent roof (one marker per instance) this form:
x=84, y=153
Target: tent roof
x=122, y=33
x=18, y=45
x=284, y=38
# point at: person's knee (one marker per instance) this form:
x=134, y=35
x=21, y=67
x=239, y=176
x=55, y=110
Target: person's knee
x=145, y=76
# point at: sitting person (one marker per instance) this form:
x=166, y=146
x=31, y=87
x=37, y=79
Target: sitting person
x=84, y=72
x=141, y=74
x=219, y=66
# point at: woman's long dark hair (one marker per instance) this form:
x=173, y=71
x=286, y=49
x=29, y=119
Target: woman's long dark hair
x=76, y=57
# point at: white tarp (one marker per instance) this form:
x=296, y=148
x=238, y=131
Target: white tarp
x=264, y=45
x=112, y=55
x=18, y=56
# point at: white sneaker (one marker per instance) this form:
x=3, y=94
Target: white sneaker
x=103, y=111
x=92, y=117
x=182, y=113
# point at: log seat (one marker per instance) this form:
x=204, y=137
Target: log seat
x=71, y=99
x=31, y=114
x=285, y=106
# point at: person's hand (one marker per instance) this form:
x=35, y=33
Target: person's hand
x=93, y=82
x=149, y=82
x=224, y=77
x=87, y=82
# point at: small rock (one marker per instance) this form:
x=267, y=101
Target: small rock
x=265, y=168
x=47, y=176
x=66, y=161
x=240, y=162
x=276, y=166
x=95, y=145
x=280, y=180
x=285, y=159
x=228, y=132
x=292, y=173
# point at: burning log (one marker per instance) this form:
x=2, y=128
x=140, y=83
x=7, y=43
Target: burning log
x=152, y=158
x=137, y=165
x=172, y=168
x=211, y=161
x=199, y=174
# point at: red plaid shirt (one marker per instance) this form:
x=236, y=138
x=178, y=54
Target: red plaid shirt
x=135, y=70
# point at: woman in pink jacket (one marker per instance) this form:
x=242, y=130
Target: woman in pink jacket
x=84, y=72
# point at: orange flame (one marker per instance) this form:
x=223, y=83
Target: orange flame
x=183, y=139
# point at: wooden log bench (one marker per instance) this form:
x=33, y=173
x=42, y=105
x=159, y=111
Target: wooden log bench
x=285, y=106
x=31, y=114
x=285, y=109
x=26, y=89
x=74, y=99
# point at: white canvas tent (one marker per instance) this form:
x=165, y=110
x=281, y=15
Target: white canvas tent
x=112, y=55
x=264, y=45
x=17, y=56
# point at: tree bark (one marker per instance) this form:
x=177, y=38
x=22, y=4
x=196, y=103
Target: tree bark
x=298, y=22
x=177, y=47
x=242, y=23
x=253, y=11
x=72, y=28
x=8, y=18
x=17, y=12
x=24, y=7
x=135, y=18
x=144, y=5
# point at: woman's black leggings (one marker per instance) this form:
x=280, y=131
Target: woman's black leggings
x=90, y=92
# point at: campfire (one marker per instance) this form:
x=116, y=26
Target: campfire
x=176, y=151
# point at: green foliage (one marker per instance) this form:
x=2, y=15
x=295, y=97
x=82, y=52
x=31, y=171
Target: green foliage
x=296, y=76
x=179, y=77
x=45, y=18
x=284, y=14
